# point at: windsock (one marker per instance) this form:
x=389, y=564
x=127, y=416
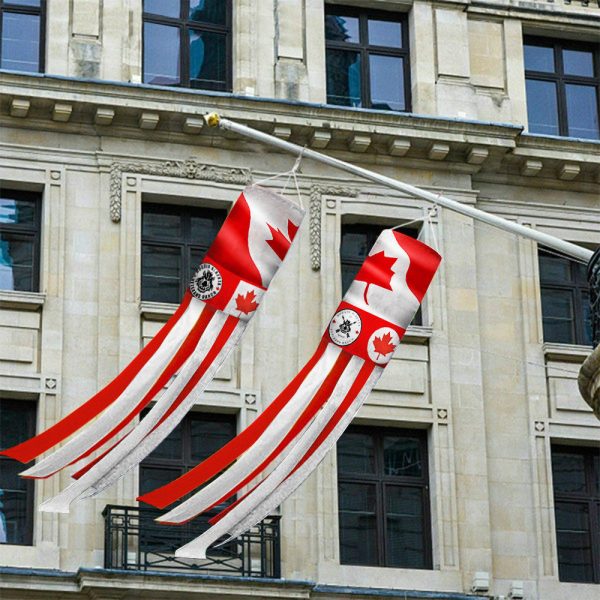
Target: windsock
x=280, y=449
x=223, y=296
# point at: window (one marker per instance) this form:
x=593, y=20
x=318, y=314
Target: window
x=17, y=423
x=19, y=240
x=357, y=241
x=563, y=80
x=367, y=59
x=565, y=300
x=188, y=43
x=22, y=35
x=197, y=437
x=174, y=240
x=576, y=478
x=383, y=498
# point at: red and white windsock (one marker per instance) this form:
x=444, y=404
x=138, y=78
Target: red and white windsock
x=295, y=432
x=223, y=296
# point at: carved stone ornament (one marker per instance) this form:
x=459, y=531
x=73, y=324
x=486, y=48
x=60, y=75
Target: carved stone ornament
x=316, y=200
x=594, y=279
x=189, y=169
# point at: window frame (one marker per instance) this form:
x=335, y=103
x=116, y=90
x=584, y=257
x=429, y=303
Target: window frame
x=185, y=245
x=24, y=230
x=590, y=498
x=382, y=481
x=561, y=79
x=8, y=6
x=31, y=415
x=365, y=49
x=577, y=286
x=184, y=25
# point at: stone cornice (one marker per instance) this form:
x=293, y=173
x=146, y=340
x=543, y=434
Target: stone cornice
x=101, y=108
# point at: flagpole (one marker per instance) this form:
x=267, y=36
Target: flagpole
x=550, y=241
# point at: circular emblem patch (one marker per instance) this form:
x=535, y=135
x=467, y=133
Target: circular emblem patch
x=206, y=282
x=382, y=344
x=345, y=327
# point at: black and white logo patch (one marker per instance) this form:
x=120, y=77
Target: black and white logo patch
x=345, y=327
x=206, y=282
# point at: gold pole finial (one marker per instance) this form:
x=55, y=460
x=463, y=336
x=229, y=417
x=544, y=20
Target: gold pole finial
x=213, y=119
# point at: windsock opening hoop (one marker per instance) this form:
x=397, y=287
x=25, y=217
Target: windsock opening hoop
x=577, y=252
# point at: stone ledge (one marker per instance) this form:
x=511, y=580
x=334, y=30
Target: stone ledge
x=566, y=352
x=21, y=300
x=589, y=381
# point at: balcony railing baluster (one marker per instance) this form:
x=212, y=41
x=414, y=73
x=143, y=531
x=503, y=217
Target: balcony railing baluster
x=135, y=541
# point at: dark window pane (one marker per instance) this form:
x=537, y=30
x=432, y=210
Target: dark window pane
x=402, y=456
x=554, y=269
x=153, y=477
x=204, y=230
x=17, y=422
x=207, y=436
x=596, y=470
x=568, y=472
x=587, y=319
x=582, y=111
x=578, y=62
x=387, y=82
x=355, y=246
x=343, y=78
x=405, y=540
x=342, y=29
x=20, y=42
x=208, y=60
x=385, y=33
x=557, y=311
x=16, y=263
x=542, y=108
x=171, y=448
x=539, y=58
x=358, y=524
x=16, y=211
x=573, y=542
x=356, y=453
x=209, y=11
x=161, y=273
x=162, y=225
x=24, y=2
x=166, y=8
x=161, y=54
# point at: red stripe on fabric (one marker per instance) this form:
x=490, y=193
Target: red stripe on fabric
x=359, y=382
x=321, y=396
x=171, y=492
x=33, y=447
x=424, y=262
x=218, y=344
x=184, y=352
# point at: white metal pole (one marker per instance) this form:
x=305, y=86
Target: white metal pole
x=214, y=120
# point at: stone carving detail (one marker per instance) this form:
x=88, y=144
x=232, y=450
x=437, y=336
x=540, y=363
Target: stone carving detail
x=594, y=279
x=442, y=414
x=540, y=426
x=316, y=195
x=190, y=169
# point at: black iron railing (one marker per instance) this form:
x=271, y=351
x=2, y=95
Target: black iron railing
x=133, y=540
x=594, y=279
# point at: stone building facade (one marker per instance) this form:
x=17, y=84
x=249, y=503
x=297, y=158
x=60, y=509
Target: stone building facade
x=494, y=399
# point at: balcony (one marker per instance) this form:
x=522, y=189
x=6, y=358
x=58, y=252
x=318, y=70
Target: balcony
x=134, y=541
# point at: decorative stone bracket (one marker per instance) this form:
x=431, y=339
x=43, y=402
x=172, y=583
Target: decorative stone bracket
x=188, y=169
x=594, y=279
x=316, y=200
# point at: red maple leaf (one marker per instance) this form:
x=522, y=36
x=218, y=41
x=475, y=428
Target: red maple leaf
x=279, y=243
x=383, y=345
x=376, y=270
x=246, y=304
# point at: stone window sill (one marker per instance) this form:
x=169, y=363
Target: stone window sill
x=21, y=300
x=158, y=311
x=566, y=352
x=418, y=334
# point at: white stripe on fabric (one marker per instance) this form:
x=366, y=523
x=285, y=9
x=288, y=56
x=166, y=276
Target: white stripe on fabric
x=122, y=406
x=197, y=548
x=121, y=454
x=289, y=485
x=153, y=439
x=262, y=448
